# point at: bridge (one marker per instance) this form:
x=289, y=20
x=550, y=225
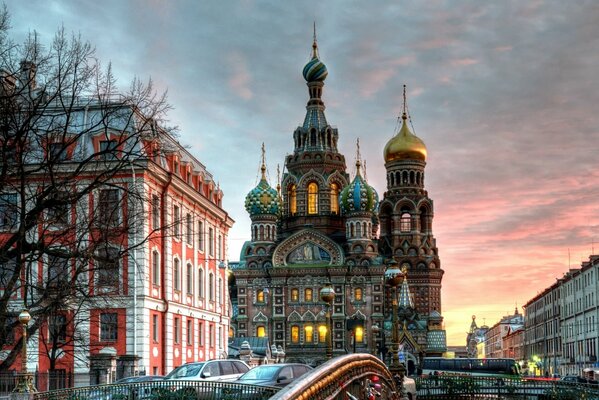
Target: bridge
x=353, y=376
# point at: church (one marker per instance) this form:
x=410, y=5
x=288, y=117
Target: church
x=320, y=229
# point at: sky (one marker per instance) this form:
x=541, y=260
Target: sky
x=504, y=94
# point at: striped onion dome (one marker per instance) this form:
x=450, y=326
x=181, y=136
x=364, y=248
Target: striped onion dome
x=315, y=70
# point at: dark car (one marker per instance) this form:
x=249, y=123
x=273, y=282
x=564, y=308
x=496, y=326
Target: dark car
x=279, y=375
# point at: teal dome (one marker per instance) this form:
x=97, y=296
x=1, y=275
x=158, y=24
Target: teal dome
x=262, y=199
x=358, y=196
x=315, y=71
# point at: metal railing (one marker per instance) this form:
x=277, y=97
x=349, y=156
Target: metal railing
x=164, y=390
x=43, y=381
x=475, y=387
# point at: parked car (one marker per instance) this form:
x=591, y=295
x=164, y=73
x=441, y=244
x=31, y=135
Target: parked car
x=123, y=388
x=279, y=375
x=213, y=370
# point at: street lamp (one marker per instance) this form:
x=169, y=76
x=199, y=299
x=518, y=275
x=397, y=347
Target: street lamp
x=25, y=380
x=327, y=294
x=394, y=277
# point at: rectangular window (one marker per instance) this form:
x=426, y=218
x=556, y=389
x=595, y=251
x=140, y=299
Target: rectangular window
x=8, y=211
x=201, y=236
x=107, y=268
x=155, y=212
x=108, y=327
x=57, y=151
x=211, y=335
x=58, y=271
x=177, y=330
x=201, y=334
x=189, y=229
x=7, y=271
x=57, y=329
x=219, y=247
x=176, y=222
x=155, y=328
x=177, y=275
x=155, y=268
x=109, y=208
x=200, y=282
x=211, y=241
x=190, y=332
x=58, y=210
x=189, y=280
x=211, y=287
x=108, y=150
x=9, y=331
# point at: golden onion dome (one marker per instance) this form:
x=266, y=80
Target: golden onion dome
x=405, y=145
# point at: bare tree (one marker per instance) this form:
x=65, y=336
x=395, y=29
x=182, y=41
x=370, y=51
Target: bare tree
x=70, y=211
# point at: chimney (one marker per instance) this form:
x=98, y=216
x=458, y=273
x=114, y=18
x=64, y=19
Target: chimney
x=28, y=69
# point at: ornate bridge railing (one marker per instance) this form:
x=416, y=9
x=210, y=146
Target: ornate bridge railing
x=345, y=377
x=163, y=390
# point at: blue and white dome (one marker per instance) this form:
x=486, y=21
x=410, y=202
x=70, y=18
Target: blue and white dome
x=358, y=196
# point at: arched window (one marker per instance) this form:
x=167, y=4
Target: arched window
x=359, y=334
x=322, y=333
x=292, y=196
x=334, y=198
x=308, y=295
x=312, y=198
x=405, y=223
x=200, y=282
x=260, y=296
x=294, y=294
x=260, y=331
x=295, y=334
x=358, y=294
x=309, y=332
x=358, y=230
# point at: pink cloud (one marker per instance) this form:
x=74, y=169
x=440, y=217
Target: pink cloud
x=503, y=48
x=463, y=62
x=239, y=81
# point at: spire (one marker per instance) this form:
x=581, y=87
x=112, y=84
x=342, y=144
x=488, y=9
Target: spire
x=358, y=161
x=404, y=114
x=405, y=298
x=263, y=166
x=278, y=181
x=473, y=326
x=314, y=45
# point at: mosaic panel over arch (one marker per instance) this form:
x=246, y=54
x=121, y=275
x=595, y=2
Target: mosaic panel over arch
x=308, y=247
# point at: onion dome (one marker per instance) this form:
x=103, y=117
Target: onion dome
x=405, y=145
x=358, y=196
x=315, y=70
x=263, y=199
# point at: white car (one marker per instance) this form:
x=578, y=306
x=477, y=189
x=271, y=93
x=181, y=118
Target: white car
x=213, y=370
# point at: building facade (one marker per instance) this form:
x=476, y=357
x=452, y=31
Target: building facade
x=494, y=337
x=155, y=295
x=321, y=227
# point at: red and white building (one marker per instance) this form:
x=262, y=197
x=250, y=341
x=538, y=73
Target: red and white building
x=167, y=302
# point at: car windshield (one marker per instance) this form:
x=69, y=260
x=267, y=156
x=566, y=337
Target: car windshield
x=260, y=373
x=185, y=371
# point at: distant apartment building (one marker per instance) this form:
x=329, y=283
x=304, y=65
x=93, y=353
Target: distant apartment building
x=494, y=337
x=513, y=344
x=561, y=324
x=543, y=342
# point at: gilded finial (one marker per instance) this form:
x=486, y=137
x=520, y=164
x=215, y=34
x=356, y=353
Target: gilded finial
x=364, y=167
x=278, y=181
x=404, y=115
x=263, y=167
x=314, y=44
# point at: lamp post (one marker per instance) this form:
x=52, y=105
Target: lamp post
x=25, y=380
x=394, y=276
x=327, y=294
x=375, y=331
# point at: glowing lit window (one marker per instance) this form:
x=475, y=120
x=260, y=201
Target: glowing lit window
x=295, y=334
x=292, y=195
x=308, y=331
x=294, y=294
x=231, y=333
x=261, y=331
x=313, y=198
x=405, y=223
x=260, y=296
x=334, y=198
x=358, y=294
x=359, y=334
x=308, y=295
x=322, y=333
